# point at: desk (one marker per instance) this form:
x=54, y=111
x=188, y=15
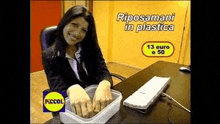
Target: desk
x=179, y=89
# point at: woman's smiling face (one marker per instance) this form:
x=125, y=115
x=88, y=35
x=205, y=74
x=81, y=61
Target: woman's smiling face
x=75, y=31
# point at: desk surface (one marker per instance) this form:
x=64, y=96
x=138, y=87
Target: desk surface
x=179, y=89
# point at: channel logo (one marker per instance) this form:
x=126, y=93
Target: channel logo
x=54, y=101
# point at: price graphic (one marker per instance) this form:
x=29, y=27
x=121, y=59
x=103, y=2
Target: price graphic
x=158, y=49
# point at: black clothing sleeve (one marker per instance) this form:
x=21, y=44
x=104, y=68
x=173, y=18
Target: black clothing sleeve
x=60, y=76
x=54, y=78
x=97, y=67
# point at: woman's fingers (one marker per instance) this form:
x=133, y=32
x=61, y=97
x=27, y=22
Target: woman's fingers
x=96, y=106
x=80, y=101
x=90, y=108
x=108, y=101
x=85, y=113
x=103, y=104
x=99, y=105
x=78, y=109
x=73, y=108
x=109, y=98
x=83, y=109
x=102, y=98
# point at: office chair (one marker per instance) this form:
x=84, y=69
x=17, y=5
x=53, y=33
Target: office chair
x=47, y=37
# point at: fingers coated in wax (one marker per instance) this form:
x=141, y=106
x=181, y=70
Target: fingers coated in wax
x=73, y=108
x=78, y=109
x=103, y=104
x=79, y=99
x=102, y=96
x=96, y=106
x=90, y=108
x=85, y=113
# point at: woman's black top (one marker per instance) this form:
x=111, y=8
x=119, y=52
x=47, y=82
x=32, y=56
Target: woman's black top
x=60, y=75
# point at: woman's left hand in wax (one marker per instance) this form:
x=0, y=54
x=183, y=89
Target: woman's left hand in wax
x=102, y=96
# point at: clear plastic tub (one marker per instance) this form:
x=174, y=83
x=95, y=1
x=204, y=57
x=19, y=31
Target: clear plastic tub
x=102, y=117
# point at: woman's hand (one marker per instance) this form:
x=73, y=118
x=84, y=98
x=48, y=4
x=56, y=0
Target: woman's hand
x=80, y=101
x=102, y=96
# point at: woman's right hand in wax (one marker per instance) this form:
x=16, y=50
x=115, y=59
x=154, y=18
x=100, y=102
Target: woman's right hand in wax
x=80, y=101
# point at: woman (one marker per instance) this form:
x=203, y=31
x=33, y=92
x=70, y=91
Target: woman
x=75, y=61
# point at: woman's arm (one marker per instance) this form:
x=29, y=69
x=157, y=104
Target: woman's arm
x=99, y=68
x=100, y=73
x=54, y=79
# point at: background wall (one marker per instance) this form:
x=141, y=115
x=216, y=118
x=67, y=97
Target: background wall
x=68, y=4
x=118, y=45
x=125, y=46
x=43, y=13
x=47, y=13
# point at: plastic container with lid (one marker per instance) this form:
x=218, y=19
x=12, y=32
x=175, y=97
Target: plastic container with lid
x=102, y=117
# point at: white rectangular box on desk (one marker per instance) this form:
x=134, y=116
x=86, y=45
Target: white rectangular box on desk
x=102, y=117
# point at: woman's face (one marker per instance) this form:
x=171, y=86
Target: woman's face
x=75, y=31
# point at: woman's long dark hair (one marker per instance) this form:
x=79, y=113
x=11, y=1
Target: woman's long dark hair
x=89, y=43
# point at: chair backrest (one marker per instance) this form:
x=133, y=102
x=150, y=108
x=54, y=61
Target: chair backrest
x=47, y=37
